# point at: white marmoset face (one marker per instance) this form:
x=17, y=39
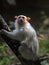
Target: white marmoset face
x=22, y=20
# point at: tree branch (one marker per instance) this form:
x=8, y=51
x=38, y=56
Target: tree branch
x=4, y=24
x=44, y=57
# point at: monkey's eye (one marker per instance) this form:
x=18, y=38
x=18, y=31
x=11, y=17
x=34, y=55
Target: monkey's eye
x=19, y=17
x=23, y=17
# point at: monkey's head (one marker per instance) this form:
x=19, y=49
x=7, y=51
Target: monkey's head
x=22, y=20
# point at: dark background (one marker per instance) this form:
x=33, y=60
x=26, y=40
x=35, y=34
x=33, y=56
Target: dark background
x=31, y=8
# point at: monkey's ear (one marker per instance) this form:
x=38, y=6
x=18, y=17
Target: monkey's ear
x=28, y=18
x=15, y=17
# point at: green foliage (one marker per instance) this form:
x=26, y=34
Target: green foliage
x=44, y=63
x=44, y=46
x=4, y=61
x=43, y=15
x=6, y=56
x=8, y=60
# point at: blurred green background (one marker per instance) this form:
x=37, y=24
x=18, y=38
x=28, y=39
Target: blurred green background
x=38, y=10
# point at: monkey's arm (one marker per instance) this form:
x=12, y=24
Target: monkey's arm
x=11, y=34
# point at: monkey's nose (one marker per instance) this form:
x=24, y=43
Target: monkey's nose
x=21, y=20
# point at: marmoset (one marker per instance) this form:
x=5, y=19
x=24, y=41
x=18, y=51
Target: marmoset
x=26, y=34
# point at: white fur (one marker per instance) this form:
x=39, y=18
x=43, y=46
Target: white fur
x=27, y=36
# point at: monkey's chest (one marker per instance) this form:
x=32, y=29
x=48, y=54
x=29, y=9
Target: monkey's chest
x=22, y=35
